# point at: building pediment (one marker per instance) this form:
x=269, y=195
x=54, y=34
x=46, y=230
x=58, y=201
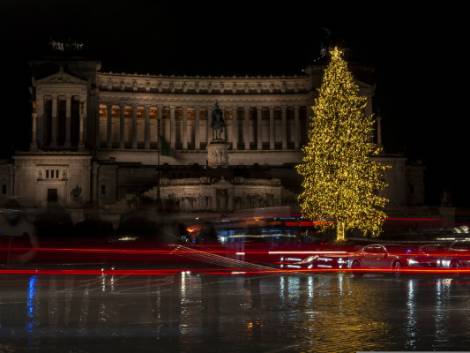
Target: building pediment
x=61, y=77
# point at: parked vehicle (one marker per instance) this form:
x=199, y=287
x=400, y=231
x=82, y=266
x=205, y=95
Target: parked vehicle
x=456, y=255
x=376, y=256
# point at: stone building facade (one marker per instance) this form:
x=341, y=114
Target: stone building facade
x=96, y=139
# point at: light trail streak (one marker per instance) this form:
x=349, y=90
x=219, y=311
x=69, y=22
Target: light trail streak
x=223, y=272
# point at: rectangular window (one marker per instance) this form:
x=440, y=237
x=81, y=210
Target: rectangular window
x=4, y=189
x=103, y=189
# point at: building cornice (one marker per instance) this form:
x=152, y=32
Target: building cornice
x=203, y=84
x=127, y=98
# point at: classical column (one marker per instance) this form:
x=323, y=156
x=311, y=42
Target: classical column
x=271, y=127
x=55, y=122
x=134, y=126
x=81, y=132
x=109, y=126
x=172, y=127
x=259, y=116
x=160, y=132
x=158, y=115
x=246, y=133
x=97, y=127
x=196, y=129
x=68, y=120
x=184, y=133
x=296, y=128
x=34, y=116
x=147, y=128
x=284, y=127
x=122, y=137
x=209, y=121
x=41, y=120
x=234, y=128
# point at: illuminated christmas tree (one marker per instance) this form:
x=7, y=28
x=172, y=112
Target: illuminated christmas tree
x=341, y=182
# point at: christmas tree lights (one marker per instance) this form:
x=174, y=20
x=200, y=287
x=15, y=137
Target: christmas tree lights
x=341, y=180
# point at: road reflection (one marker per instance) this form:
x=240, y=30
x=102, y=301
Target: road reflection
x=185, y=312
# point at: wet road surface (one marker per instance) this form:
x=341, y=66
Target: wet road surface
x=338, y=312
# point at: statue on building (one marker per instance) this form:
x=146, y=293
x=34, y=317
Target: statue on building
x=217, y=123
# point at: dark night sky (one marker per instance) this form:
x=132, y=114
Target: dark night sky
x=418, y=53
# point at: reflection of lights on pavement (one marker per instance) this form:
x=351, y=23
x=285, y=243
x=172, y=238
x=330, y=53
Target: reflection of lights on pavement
x=411, y=316
x=310, y=288
x=293, y=287
x=183, y=283
x=411, y=292
x=282, y=287
x=340, y=283
x=30, y=303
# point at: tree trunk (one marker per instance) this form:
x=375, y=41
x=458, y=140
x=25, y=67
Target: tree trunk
x=340, y=232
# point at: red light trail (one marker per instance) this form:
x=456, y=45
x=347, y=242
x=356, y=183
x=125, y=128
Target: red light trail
x=222, y=272
x=332, y=253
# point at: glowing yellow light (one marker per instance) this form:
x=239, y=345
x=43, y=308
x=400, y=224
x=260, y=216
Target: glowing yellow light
x=340, y=179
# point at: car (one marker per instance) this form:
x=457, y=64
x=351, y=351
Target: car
x=455, y=255
x=424, y=256
x=376, y=256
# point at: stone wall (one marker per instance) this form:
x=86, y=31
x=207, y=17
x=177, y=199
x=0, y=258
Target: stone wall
x=6, y=181
x=206, y=194
x=45, y=176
